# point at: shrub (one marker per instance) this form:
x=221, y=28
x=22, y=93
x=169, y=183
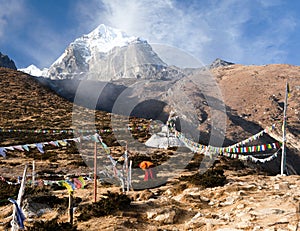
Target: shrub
x=109, y=204
x=7, y=191
x=211, y=178
x=52, y=225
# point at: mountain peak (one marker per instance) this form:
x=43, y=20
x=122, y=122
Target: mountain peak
x=103, y=31
x=104, y=38
x=34, y=71
x=106, y=53
x=5, y=61
x=219, y=63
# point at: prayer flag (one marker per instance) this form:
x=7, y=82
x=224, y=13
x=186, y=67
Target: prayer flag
x=77, y=183
x=82, y=181
x=19, y=214
x=2, y=152
x=40, y=147
x=68, y=186
x=26, y=147
x=19, y=147
x=10, y=148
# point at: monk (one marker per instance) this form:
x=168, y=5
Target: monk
x=148, y=167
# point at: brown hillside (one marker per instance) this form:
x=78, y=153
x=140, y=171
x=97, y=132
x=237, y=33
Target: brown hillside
x=26, y=104
x=254, y=97
x=256, y=93
x=249, y=200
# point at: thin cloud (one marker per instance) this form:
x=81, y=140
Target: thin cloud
x=44, y=48
x=270, y=45
x=247, y=32
x=32, y=37
x=207, y=30
x=11, y=15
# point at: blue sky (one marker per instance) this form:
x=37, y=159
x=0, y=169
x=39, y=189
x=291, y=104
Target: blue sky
x=241, y=31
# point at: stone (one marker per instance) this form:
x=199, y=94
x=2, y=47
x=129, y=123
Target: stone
x=283, y=220
x=205, y=199
x=228, y=229
x=166, y=218
x=284, y=186
x=244, y=225
x=266, y=211
x=257, y=228
x=249, y=187
x=168, y=192
x=240, y=206
x=194, y=218
x=292, y=227
x=211, y=203
x=229, y=201
x=192, y=191
x=242, y=193
x=179, y=197
x=163, y=216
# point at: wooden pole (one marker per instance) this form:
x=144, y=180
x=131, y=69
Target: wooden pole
x=283, y=155
x=71, y=208
x=33, y=173
x=14, y=225
x=126, y=167
x=129, y=176
x=95, y=172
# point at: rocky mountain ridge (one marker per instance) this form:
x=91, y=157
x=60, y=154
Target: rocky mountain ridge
x=5, y=61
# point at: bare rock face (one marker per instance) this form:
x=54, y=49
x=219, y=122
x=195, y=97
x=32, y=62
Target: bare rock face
x=136, y=61
x=5, y=61
x=72, y=66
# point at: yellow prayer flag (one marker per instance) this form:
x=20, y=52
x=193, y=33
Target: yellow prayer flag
x=69, y=187
x=82, y=181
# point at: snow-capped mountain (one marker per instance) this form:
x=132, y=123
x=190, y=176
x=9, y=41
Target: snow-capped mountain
x=34, y=71
x=106, y=54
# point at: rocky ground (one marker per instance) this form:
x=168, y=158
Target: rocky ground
x=245, y=202
x=248, y=198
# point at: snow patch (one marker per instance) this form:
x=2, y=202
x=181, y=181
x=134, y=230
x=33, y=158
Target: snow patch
x=102, y=39
x=34, y=71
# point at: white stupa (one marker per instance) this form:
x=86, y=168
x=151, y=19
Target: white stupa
x=164, y=139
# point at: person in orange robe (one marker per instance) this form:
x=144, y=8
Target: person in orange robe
x=148, y=167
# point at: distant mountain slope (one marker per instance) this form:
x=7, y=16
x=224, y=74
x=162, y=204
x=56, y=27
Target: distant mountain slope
x=256, y=93
x=254, y=97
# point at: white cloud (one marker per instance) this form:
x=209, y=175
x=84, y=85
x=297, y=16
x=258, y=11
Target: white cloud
x=205, y=29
